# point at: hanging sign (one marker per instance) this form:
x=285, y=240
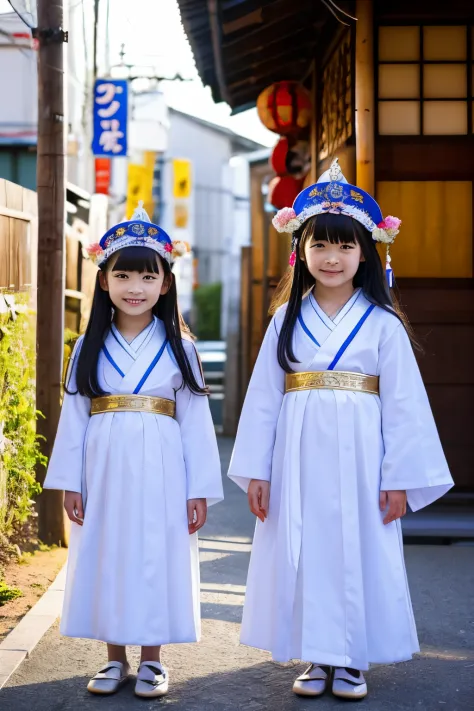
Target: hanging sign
x=102, y=175
x=110, y=118
x=181, y=178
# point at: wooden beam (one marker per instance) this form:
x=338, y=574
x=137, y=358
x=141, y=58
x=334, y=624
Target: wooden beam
x=263, y=62
x=250, y=91
x=253, y=18
x=272, y=32
x=16, y=214
x=298, y=68
x=458, y=11
x=273, y=11
x=314, y=125
x=364, y=96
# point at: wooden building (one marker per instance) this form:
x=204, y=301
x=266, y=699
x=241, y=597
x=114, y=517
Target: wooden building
x=393, y=96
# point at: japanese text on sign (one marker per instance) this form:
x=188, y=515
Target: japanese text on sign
x=110, y=118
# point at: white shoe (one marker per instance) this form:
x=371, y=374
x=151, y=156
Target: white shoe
x=313, y=682
x=152, y=680
x=110, y=678
x=347, y=686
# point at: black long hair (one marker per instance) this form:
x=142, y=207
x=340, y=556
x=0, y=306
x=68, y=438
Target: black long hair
x=370, y=276
x=131, y=259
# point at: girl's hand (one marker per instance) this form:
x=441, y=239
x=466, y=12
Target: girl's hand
x=397, y=504
x=197, y=514
x=74, y=507
x=259, y=498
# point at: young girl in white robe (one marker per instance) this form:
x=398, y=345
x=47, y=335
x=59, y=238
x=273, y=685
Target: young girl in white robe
x=136, y=454
x=335, y=434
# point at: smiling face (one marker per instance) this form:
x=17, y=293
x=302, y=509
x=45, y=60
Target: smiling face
x=332, y=264
x=135, y=281
x=332, y=258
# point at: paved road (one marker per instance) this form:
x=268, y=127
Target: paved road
x=220, y=675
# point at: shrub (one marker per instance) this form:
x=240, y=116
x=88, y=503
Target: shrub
x=207, y=302
x=8, y=593
x=19, y=447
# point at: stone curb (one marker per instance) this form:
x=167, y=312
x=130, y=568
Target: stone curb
x=21, y=641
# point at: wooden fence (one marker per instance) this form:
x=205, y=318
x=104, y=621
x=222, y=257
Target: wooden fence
x=18, y=238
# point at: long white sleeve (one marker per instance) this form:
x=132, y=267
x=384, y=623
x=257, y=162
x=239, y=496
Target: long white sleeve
x=66, y=462
x=253, y=450
x=201, y=455
x=414, y=459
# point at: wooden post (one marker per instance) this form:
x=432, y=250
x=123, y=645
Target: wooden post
x=314, y=124
x=364, y=96
x=94, y=46
x=51, y=217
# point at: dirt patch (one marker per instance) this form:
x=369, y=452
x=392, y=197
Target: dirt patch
x=32, y=575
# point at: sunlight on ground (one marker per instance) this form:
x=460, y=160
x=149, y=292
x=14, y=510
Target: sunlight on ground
x=451, y=655
x=223, y=545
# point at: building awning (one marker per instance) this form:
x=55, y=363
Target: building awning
x=242, y=46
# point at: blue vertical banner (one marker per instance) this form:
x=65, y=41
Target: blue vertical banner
x=110, y=118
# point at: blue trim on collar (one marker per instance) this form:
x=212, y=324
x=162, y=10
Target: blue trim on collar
x=306, y=330
x=351, y=337
x=111, y=361
x=150, y=367
x=313, y=306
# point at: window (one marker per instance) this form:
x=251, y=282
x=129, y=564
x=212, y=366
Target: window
x=336, y=101
x=425, y=80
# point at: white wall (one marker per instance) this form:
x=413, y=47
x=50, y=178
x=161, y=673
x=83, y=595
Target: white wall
x=240, y=236
x=18, y=84
x=209, y=152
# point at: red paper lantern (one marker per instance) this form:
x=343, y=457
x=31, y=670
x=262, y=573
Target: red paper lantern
x=285, y=107
x=279, y=156
x=282, y=191
x=291, y=158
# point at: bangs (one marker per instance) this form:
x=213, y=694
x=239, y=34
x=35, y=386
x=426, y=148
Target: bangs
x=336, y=229
x=137, y=259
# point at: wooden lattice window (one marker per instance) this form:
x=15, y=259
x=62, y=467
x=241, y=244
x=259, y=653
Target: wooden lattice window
x=425, y=80
x=336, y=104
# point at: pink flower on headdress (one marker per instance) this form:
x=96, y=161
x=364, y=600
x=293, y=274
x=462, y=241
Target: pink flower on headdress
x=387, y=230
x=390, y=223
x=168, y=247
x=95, y=252
x=292, y=259
x=94, y=249
x=286, y=220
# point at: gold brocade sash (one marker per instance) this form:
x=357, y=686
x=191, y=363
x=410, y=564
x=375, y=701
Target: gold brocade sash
x=332, y=380
x=133, y=403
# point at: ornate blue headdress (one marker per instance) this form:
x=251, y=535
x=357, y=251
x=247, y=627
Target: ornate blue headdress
x=139, y=231
x=333, y=194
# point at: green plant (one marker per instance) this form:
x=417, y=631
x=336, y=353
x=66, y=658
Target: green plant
x=19, y=446
x=8, y=593
x=207, y=302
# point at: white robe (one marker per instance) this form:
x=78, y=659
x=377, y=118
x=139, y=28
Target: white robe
x=133, y=568
x=327, y=580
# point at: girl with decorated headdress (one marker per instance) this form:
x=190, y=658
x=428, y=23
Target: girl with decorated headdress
x=336, y=434
x=136, y=454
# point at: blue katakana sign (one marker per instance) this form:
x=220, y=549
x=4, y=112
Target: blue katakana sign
x=110, y=118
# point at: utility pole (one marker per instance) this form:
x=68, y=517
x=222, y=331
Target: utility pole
x=96, y=29
x=51, y=249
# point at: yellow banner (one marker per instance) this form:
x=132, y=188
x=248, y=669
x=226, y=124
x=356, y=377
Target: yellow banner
x=140, y=185
x=181, y=178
